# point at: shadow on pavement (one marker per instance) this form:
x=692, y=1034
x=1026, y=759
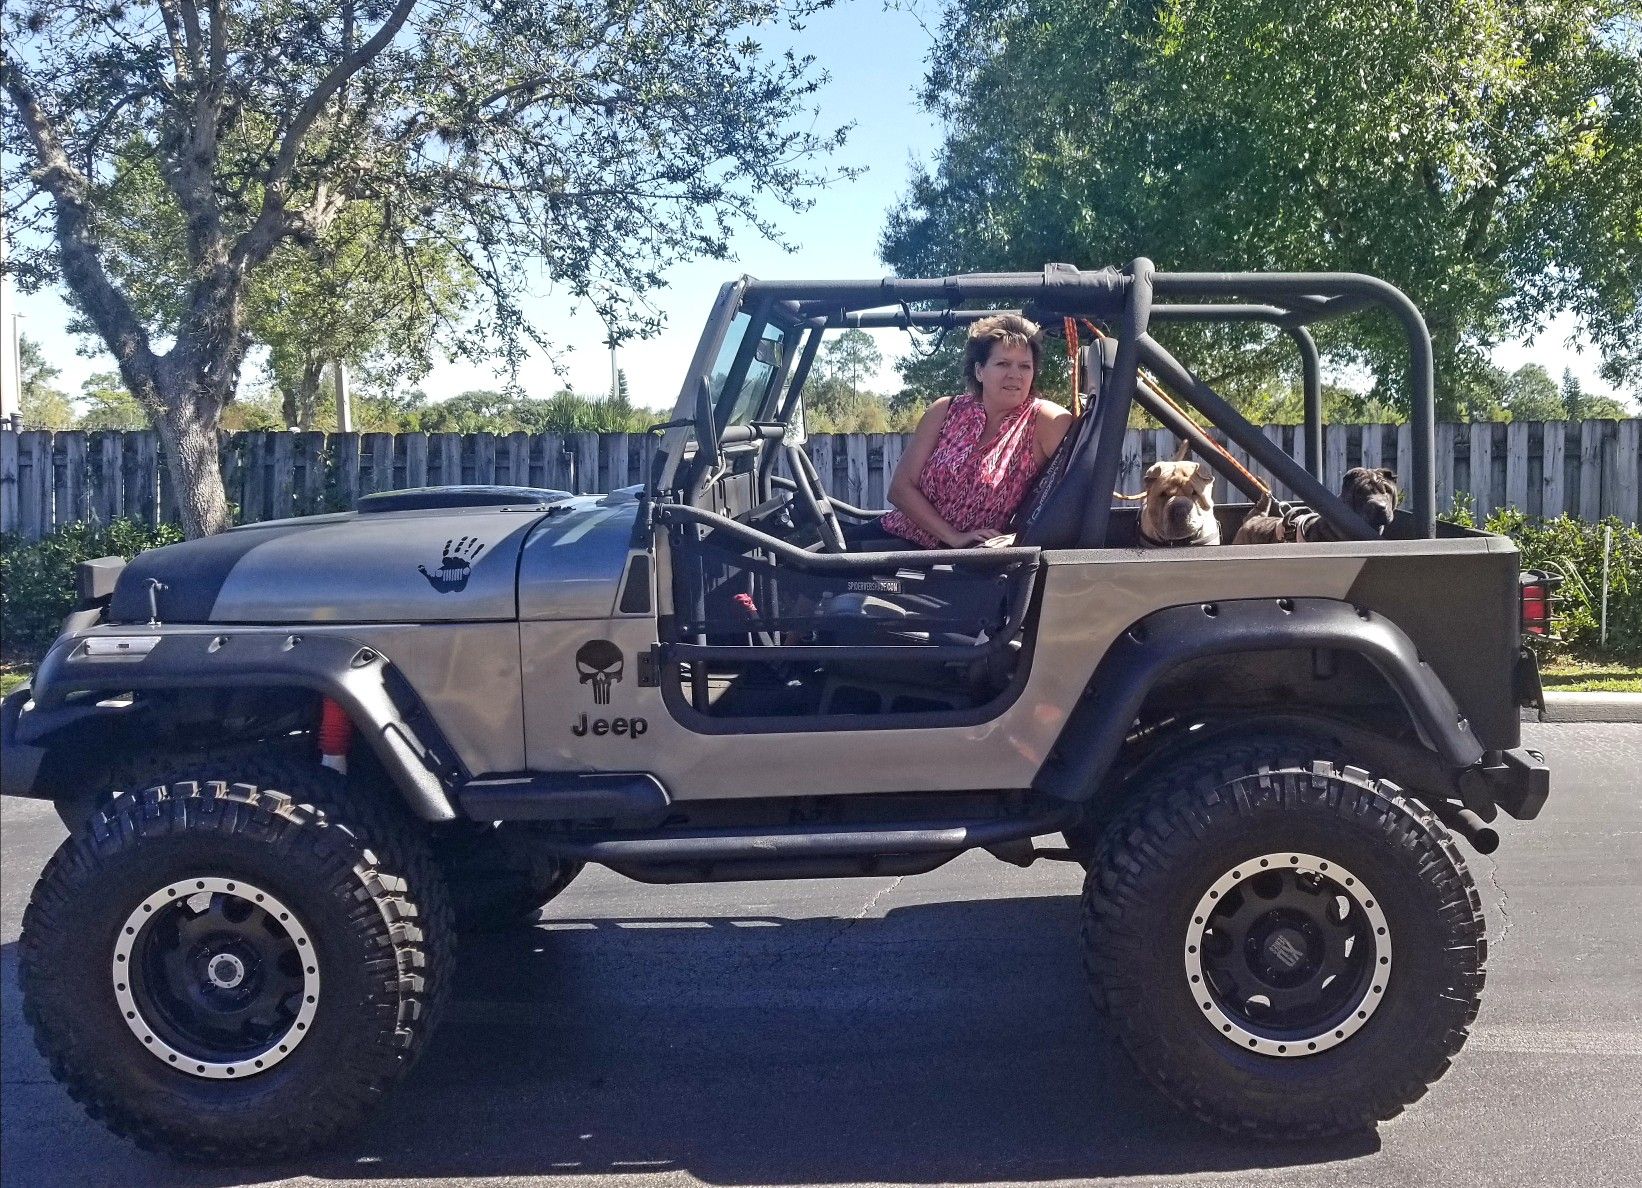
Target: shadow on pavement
x=943, y=1042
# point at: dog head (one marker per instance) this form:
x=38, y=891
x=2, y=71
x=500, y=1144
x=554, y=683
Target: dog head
x=1371, y=493
x=1178, y=505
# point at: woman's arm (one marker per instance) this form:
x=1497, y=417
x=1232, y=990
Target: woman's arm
x=1052, y=426
x=903, y=485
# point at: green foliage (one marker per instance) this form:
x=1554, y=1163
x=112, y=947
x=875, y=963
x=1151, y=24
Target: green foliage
x=109, y=404
x=1485, y=156
x=487, y=411
x=851, y=357
x=184, y=172
x=43, y=406
x=1573, y=548
x=37, y=577
x=831, y=405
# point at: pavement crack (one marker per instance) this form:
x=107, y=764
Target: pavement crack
x=872, y=900
x=866, y=909
x=1504, y=901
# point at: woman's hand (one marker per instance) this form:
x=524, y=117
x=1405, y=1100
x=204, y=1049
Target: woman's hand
x=975, y=538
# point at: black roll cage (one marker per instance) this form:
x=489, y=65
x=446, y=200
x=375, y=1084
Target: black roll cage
x=1127, y=301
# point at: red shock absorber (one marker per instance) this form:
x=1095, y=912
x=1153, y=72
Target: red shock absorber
x=335, y=733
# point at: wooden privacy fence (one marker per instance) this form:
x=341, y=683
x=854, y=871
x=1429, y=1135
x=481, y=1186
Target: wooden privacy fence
x=1585, y=468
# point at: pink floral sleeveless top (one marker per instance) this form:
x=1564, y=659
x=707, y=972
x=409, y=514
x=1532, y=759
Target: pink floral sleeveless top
x=971, y=486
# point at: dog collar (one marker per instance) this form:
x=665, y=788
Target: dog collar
x=1184, y=542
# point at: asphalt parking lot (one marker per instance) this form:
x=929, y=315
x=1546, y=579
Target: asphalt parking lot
x=926, y=1031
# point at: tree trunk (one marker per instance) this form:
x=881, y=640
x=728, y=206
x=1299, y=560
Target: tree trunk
x=289, y=407
x=193, y=459
x=313, y=370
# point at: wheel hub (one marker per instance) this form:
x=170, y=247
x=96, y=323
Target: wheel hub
x=225, y=971
x=218, y=978
x=1287, y=954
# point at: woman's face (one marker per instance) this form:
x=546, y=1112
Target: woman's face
x=1006, y=376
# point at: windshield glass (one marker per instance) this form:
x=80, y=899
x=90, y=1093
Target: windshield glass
x=767, y=362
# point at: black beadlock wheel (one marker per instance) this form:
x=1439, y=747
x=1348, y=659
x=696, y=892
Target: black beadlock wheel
x=235, y=964
x=1286, y=948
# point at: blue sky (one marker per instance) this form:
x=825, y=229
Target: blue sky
x=875, y=56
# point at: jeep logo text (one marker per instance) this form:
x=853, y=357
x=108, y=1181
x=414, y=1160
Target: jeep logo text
x=621, y=727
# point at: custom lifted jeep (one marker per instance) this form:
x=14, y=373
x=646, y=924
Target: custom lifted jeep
x=295, y=759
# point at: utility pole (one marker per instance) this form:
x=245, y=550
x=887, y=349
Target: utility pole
x=11, y=355
x=344, y=406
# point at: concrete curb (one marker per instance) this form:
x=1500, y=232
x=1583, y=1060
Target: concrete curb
x=1589, y=707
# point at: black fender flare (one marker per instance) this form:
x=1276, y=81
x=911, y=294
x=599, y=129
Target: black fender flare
x=1165, y=639
x=385, y=709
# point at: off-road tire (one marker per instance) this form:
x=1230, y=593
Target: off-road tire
x=358, y=879
x=1222, y=808
x=1288, y=748
x=496, y=882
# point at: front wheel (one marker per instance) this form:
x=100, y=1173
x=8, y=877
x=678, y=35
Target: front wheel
x=220, y=968
x=1286, y=950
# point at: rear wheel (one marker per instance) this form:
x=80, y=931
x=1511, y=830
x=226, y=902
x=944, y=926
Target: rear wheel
x=1287, y=949
x=235, y=963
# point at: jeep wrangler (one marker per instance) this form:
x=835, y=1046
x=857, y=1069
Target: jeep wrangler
x=296, y=759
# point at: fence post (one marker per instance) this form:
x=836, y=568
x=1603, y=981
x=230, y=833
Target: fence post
x=1373, y=446
x=8, y=482
x=1621, y=480
x=1552, y=468
x=347, y=469
x=1334, y=455
x=855, y=468
x=1516, y=465
x=1590, y=470
x=416, y=460
x=612, y=461
x=34, y=482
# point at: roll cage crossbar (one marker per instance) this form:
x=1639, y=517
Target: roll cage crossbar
x=1128, y=302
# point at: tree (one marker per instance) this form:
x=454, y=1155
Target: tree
x=851, y=355
x=592, y=143
x=1580, y=405
x=344, y=299
x=43, y=406
x=1530, y=394
x=1484, y=156
x=108, y=405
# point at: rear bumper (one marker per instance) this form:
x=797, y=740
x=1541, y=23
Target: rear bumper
x=1517, y=781
x=19, y=762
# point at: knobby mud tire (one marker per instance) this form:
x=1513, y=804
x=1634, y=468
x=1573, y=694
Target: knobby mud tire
x=1198, y=820
x=359, y=879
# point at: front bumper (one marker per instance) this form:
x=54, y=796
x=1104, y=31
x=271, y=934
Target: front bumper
x=19, y=762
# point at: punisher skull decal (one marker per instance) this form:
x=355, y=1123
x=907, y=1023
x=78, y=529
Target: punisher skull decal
x=599, y=663
x=455, y=565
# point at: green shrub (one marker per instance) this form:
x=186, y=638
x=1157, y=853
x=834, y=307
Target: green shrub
x=37, y=577
x=1573, y=548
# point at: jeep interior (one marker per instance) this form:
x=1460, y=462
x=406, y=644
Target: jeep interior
x=775, y=623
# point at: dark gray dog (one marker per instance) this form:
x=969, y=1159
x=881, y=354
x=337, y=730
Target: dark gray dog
x=1370, y=492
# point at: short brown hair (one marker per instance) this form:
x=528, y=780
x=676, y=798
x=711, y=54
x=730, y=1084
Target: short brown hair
x=1000, y=328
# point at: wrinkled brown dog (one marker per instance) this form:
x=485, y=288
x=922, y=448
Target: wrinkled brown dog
x=1371, y=493
x=1178, y=509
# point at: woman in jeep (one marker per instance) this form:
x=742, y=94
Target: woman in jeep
x=973, y=457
